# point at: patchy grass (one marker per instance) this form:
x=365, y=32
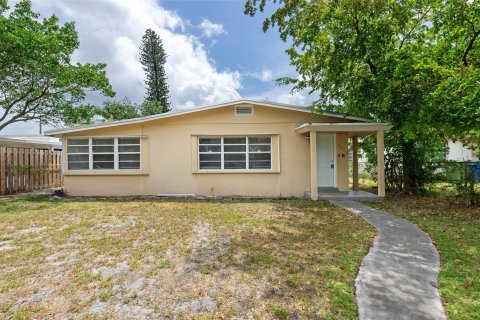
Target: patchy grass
x=455, y=230
x=178, y=259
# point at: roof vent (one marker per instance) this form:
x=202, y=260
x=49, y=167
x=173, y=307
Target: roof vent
x=244, y=110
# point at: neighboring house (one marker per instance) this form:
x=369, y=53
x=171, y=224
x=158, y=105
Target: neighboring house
x=456, y=151
x=241, y=148
x=31, y=141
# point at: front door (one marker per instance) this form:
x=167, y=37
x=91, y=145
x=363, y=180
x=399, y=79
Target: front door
x=326, y=160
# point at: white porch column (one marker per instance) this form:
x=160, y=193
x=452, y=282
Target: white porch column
x=380, y=164
x=313, y=166
x=355, y=162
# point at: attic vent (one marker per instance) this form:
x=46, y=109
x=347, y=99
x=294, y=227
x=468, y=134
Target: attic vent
x=244, y=110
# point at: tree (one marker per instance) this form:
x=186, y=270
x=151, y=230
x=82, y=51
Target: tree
x=411, y=63
x=153, y=58
x=37, y=78
x=81, y=115
x=119, y=110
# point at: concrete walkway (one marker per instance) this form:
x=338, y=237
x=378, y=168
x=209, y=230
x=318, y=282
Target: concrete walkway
x=398, y=277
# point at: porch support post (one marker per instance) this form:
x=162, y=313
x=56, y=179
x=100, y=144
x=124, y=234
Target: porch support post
x=380, y=164
x=313, y=166
x=355, y=162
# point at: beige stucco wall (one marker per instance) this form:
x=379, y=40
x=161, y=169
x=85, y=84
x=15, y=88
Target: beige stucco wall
x=342, y=161
x=169, y=156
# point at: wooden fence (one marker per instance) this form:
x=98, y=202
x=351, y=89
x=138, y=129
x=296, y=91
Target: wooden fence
x=24, y=169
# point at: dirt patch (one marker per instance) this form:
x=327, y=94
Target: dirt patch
x=206, y=304
x=31, y=230
x=6, y=245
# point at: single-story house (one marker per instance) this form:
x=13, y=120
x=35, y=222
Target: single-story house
x=31, y=141
x=240, y=148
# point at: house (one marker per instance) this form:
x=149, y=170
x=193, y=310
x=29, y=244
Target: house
x=31, y=141
x=240, y=148
x=457, y=151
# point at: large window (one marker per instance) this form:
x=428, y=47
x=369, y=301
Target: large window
x=103, y=153
x=235, y=153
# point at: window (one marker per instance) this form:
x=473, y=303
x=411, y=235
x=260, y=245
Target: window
x=259, y=153
x=78, y=154
x=103, y=153
x=103, y=150
x=210, y=153
x=128, y=153
x=235, y=153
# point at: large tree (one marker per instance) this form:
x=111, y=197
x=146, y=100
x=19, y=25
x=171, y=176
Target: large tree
x=413, y=63
x=37, y=77
x=153, y=59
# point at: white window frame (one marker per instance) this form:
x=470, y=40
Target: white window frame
x=259, y=152
x=100, y=153
x=89, y=153
x=118, y=153
x=247, y=153
x=115, y=154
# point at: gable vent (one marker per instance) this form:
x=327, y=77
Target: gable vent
x=244, y=110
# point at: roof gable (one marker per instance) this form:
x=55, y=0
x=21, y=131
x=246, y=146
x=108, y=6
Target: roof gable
x=175, y=113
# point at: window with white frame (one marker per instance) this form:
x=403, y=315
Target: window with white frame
x=235, y=153
x=128, y=153
x=78, y=154
x=103, y=153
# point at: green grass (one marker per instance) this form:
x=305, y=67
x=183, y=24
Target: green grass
x=455, y=230
x=258, y=259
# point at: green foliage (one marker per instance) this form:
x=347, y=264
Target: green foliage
x=153, y=59
x=80, y=115
x=412, y=63
x=37, y=77
x=119, y=110
x=148, y=108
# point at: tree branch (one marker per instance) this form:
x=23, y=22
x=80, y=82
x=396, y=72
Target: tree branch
x=418, y=23
x=371, y=65
x=469, y=47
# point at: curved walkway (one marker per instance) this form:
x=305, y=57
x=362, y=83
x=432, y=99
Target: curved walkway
x=398, y=277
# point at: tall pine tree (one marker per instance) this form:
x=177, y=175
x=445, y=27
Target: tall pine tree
x=153, y=58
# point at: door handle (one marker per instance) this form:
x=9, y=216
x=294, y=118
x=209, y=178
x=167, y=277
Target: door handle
x=332, y=166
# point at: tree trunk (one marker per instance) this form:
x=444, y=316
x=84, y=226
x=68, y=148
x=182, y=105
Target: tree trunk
x=411, y=180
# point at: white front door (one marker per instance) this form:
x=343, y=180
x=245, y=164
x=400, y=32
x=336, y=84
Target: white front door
x=326, y=160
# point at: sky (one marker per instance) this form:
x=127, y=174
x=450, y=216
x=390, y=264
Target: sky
x=215, y=52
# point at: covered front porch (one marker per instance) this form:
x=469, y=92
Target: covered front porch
x=329, y=167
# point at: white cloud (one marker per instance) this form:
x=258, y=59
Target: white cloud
x=282, y=94
x=265, y=75
x=110, y=31
x=210, y=29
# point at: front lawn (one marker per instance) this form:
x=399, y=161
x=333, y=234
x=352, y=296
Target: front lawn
x=178, y=259
x=455, y=230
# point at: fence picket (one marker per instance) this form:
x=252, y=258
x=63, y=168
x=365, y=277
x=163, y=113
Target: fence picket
x=3, y=171
x=24, y=169
x=21, y=170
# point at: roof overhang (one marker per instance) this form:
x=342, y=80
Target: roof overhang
x=60, y=132
x=353, y=129
x=20, y=143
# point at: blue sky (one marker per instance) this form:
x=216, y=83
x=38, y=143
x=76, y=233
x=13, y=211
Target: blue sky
x=243, y=46
x=215, y=52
